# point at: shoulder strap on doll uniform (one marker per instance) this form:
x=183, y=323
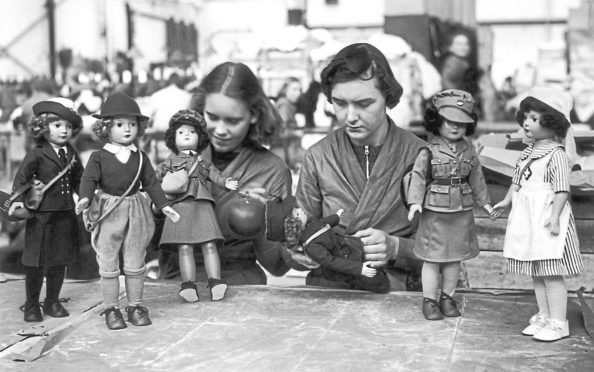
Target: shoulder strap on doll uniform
x=59, y=175
x=121, y=198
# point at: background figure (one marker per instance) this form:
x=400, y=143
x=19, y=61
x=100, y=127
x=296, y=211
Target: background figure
x=308, y=103
x=289, y=135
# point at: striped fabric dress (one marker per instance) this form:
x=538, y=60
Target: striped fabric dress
x=529, y=247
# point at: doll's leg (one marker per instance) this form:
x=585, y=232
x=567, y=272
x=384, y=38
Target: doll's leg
x=33, y=284
x=187, y=264
x=450, y=272
x=187, y=268
x=430, y=280
x=556, y=297
x=557, y=326
x=540, y=293
x=54, y=280
x=212, y=265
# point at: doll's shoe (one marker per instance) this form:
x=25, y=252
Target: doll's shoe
x=189, y=292
x=448, y=306
x=55, y=309
x=138, y=315
x=431, y=309
x=537, y=322
x=114, y=319
x=554, y=330
x=217, y=289
x=32, y=312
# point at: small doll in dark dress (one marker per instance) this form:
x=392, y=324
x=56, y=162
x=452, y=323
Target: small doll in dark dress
x=187, y=138
x=51, y=240
x=341, y=257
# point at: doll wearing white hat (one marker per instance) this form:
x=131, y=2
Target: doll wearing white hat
x=541, y=239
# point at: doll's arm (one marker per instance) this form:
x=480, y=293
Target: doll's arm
x=503, y=205
x=25, y=173
x=215, y=176
x=552, y=223
x=418, y=181
x=319, y=250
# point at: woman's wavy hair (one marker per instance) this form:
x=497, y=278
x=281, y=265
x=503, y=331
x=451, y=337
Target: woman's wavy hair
x=101, y=127
x=38, y=126
x=549, y=117
x=433, y=122
x=361, y=61
x=203, y=139
x=236, y=80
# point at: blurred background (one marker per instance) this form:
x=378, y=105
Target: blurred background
x=158, y=50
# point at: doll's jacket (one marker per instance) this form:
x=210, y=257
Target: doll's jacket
x=44, y=164
x=448, y=181
x=198, y=185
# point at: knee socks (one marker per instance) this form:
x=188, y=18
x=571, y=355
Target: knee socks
x=134, y=289
x=110, y=289
x=54, y=279
x=33, y=283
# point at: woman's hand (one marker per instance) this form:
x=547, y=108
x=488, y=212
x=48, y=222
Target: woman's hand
x=552, y=224
x=81, y=205
x=14, y=206
x=378, y=246
x=171, y=213
x=414, y=208
x=368, y=271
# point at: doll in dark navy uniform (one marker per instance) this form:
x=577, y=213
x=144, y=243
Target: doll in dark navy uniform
x=340, y=257
x=51, y=239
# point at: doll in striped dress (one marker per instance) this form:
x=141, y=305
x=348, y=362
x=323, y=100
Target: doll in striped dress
x=541, y=239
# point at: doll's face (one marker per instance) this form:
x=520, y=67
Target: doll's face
x=60, y=131
x=300, y=215
x=533, y=129
x=186, y=137
x=124, y=130
x=452, y=131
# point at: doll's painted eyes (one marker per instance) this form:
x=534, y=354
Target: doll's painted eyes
x=186, y=131
x=120, y=124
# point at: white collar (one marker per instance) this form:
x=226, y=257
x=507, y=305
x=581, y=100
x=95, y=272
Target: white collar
x=114, y=149
x=57, y=148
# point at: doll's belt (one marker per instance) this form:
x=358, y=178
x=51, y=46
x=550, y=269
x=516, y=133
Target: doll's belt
x=451, y=181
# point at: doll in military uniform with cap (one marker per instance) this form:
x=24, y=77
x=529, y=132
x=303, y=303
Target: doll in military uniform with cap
x=113, y=177
x=51, y=239
x=446, y=181
x=186, y=137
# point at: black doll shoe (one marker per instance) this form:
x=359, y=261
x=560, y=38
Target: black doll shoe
x=217, y=289
x=448, y=306
x=138, y=315
x=189, y=292
x=55, y=308
x=114, y=319
x=32, y=312
x=431, y=309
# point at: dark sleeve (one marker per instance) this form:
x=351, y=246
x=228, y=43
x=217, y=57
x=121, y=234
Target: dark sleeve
x=332, y=220
x=215, y=176
x=150, y=183
x=478, y=183
x=77, y=173
x=320, y=249
x=25, y=172
x=418, y=181
x=91, y=176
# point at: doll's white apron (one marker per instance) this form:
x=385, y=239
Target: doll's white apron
x=526, y=237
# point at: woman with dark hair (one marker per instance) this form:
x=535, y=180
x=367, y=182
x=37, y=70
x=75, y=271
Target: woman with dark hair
x=359, y=167
x=289, y=138
x=239, y=119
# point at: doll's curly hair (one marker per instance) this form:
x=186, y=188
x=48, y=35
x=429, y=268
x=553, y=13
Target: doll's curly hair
x=38, y=126
x=203, y=139
x=433, y=122
x=101, y=127
x=549, y=117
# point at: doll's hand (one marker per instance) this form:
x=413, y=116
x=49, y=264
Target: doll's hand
x=499, y=208
x=298, y=260
x=14, y=207
x=368, y=271
x=414, y=208
x=171, y=213
x=257, y=193
x=81, y=205
x=231, y=184
x=340, y=212
x=490, y=210
x=552, y=224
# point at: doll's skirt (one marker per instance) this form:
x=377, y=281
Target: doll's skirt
x=51, y=238
x=446, y=237
x=198, y=224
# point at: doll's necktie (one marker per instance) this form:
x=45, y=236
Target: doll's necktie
x=62, y=156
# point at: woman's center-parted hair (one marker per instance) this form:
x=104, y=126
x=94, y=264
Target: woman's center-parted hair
x=236, y=80
x=361, y=61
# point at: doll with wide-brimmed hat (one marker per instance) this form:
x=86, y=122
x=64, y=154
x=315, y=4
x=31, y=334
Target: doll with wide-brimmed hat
x=187, y=137
x=53, y=170
x=113, y=176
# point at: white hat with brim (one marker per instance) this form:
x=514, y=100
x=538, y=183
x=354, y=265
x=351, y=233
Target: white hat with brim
x=555, y=98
